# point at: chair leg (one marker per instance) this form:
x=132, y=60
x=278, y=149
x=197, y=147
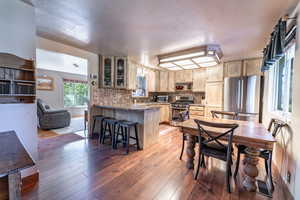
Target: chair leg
x=199, y=163
x=137, y=138
x=266, y=166
x=270, y=172
x=203, y=161
x=237, y=162
x=182, y=148
x=228, y=172
x=127, y=130
x=94, y=125
x=106, y=128
x=116, y=138
x=123, y=136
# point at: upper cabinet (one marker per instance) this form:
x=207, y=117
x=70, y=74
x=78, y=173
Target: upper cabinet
x=131, y=75
x=233, y=68
x=252, y=67
x=120, y=72
x=107, y=68
x=199, y=80
x=214, y=74
x=163, y=81
x=183, y=76
x=171, y=82
x=151, y=80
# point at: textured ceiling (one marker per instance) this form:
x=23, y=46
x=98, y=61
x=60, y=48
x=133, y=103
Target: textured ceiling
x=146, y=28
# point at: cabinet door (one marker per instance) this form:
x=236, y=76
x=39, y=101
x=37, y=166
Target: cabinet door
x=171, y=84
x=131, y=76
x=179, y=77
x=252, y=67
x=214, y=73
x=187, y=76
x=120, y=72
x=151, y=80
x=199, y=80
x=164, y=113
x=163, y=81
x=107, y=71
x=214, y=94
x=233, y=69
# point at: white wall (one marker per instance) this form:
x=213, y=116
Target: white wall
x=55, y=97
x=287, y=149
x=17, y=36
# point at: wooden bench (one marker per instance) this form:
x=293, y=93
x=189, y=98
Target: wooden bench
x=13, y=159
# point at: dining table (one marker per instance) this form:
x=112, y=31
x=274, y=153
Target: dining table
x=249, y=133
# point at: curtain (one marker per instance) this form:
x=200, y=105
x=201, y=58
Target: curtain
x=276, y=46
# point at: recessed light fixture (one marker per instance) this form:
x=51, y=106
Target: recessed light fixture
x=203, y=56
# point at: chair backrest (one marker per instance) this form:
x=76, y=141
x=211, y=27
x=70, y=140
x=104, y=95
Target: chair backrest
x=222, y=114
x=275, y=126
x=206, y=137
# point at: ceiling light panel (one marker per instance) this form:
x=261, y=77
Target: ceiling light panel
x=175, y=68
x=204, y=59
x=209, y=64
x=167, y=65
x=184, y=62
x=190, y=55
x=190, y=67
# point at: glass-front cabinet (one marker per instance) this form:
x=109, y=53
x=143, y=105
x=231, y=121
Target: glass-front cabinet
x=120, y=72
x=107, y=71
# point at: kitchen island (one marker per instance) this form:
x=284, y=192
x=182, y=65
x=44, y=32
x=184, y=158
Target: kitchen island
x=147, y=116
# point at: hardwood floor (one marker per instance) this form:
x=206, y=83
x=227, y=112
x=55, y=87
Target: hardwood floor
x=84, y=170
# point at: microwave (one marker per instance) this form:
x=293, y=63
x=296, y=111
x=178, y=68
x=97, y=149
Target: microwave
x=162, y=98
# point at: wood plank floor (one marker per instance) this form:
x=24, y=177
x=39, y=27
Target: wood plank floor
x=84, y=170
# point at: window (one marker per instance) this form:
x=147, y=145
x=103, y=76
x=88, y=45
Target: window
x=75, y=93
x=282, y=77
x=141, y=84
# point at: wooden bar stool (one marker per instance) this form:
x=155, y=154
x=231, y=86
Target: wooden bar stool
x=110, y=128
x=125, y=127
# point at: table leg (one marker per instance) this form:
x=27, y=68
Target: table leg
x=14, y=186
x=250, y=169
x=190, y=151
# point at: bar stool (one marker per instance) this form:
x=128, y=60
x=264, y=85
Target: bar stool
x=98, y=118
x=110, y=127
x=125, y=127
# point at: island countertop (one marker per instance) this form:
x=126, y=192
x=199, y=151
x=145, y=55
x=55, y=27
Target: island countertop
x=134, y=107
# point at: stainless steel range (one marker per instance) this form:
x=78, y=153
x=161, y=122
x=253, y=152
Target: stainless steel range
x=180, y=108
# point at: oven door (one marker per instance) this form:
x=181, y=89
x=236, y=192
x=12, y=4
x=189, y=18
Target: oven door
x=180, y=114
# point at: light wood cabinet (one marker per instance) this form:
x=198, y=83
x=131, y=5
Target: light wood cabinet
x=214, y=73
x=107, y=69
x=183, y=76
x=151, y=80
x=164, y=113
x=196, y=111
x=233, y=69
x=252, y=67
x=208, y=110
x=131, y=76
x=214, y=94
x=171, y=82
x=199, y=80
x=163, y=81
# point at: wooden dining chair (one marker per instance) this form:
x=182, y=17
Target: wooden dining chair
x=275, y=126
x=211, y=146
x=224, y=114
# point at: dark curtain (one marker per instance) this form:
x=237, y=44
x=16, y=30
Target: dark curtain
x=275, y=49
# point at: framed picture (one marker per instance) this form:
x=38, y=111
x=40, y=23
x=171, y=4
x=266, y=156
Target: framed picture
x=45, y=83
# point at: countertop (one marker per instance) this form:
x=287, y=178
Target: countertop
x=133, y=107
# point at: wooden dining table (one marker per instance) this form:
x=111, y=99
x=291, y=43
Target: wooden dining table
x=249, y=133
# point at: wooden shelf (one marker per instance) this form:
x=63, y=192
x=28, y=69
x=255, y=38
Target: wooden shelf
x=16, y=68
x=17, y=95
x=23, y=81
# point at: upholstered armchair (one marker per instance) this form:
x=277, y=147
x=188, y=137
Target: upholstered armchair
x=50, y=118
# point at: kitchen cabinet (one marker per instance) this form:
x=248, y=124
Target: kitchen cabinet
x=151, y=80
x=214, y=95
x=120, y=72
x=171, y=82
x=252, y=67
x=163, y=81
x=199, y=80
x=208, y=110
x=131, y=75
x=214, y=73
x=107, y=71
x=196, y=111
x=164, y=113
x=183, y=76
x=233, y=69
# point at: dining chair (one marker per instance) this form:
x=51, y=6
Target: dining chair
x=224, y=114
x=212, y=146
x=275, y=127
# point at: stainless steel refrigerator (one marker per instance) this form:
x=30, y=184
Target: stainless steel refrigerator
x=242, y=95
